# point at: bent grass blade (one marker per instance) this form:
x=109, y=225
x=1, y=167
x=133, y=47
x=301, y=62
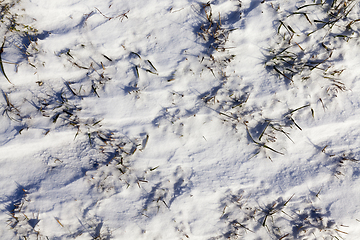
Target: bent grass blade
x=1, y=62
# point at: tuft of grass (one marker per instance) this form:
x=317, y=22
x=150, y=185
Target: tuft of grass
x=212, y=31
x=22, y=222
x=290, y=60
x=26, y=34
x=281, y=219
x=12, y=112
x=341, y=163
x=262, y=145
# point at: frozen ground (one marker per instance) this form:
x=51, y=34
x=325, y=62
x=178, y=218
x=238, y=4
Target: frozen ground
x=180, y=119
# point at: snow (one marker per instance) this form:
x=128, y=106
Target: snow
x=180, y=119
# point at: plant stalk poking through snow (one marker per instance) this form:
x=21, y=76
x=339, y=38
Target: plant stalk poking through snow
x=1, y=62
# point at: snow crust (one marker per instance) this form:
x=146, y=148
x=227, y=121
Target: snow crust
x=180, y=119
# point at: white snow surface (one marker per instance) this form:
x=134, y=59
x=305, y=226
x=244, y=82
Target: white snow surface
x=180, y=119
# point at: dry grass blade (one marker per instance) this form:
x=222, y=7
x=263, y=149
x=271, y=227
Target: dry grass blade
x=77, y=65
x=265, y=146
x=241, y=225
x=137, y=71
x=264, y=222
x=152, y=169
x=297, y=109
x=302, y=13
x=1, y=62
x=340, y=231
x=228, y=116
x=289, y=199
x=56, y=116
x=309, y=5
x=58, y=221
x=287, y=27
x=8, y=103
x=151, y=65
x=138, y=55
x=147, y=70
x=121, y=16
x=107, y=57
x=262, y=133
x=97, y=122
x=94, y=89
x=71, y=90
x=295, y=123
x=284, y=236
x=281, y=73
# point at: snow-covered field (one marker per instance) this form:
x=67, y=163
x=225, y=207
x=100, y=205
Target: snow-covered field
x=180, y=119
